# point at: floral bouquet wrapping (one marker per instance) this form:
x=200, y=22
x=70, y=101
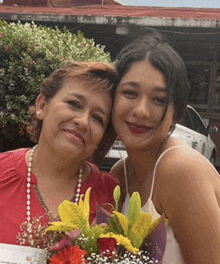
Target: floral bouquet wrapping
x=114, y=238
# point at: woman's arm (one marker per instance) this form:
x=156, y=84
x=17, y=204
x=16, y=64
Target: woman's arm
x=186, y=187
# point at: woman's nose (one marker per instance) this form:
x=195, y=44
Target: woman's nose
x=83, y=120
x=142, y=109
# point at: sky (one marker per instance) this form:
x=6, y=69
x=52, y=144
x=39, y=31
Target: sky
x=174, y=3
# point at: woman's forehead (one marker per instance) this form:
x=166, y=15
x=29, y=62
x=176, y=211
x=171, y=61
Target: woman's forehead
x=145, y=73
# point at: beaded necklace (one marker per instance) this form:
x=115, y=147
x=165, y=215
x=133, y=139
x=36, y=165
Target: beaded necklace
x=77, y=195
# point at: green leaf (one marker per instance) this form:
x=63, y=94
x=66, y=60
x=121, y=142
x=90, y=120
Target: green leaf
x=114, y=226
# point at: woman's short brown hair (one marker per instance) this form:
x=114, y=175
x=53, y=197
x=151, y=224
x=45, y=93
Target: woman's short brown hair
x=98, y=74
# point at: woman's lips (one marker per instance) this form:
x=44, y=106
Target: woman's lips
x=74, y=136
x=137, y=129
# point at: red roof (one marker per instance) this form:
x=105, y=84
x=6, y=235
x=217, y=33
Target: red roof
x=120, y=11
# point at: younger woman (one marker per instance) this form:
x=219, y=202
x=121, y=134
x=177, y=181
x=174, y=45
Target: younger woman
x=171, y=177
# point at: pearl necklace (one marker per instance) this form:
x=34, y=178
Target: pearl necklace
x=77, y=195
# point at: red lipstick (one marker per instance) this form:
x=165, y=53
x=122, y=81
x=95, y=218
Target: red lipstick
x=137, y=129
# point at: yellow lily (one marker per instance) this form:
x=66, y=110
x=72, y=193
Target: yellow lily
x=116, y=195
x=72, y=216
x=138, y=224
x=140, y=229
x=84, y=206
x=123, y=221
x=134, y=208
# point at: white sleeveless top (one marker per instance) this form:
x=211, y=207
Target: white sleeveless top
x=172, y=253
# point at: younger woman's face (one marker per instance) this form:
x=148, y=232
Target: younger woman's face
x=139, y=106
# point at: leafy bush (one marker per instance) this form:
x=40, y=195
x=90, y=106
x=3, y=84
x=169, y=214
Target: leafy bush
x=28, y=54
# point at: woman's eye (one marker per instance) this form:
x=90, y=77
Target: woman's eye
x=75, y=104
x=130, y=94
x=160, y=100
x=98, y=119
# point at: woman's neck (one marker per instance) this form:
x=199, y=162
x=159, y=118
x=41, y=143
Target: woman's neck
x=51, y=165
x=144, y=160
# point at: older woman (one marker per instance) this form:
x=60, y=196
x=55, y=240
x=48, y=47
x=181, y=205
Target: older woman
x=71, y=116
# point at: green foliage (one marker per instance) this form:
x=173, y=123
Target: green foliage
x=114, y=226
x=28, y=54
x=88, y=240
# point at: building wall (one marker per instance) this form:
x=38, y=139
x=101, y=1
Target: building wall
x=60, y=3
x=41, y=3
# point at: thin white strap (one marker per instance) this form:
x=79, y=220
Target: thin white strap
x=125, y=173
x=160, y=157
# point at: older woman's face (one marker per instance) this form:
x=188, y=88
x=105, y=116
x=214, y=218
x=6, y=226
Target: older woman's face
x=76, y=118
x=139, y=106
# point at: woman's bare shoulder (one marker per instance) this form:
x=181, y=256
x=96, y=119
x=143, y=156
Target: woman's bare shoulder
x=185, y=188
x=180, y=172
x=181, y=157
x=184, y=162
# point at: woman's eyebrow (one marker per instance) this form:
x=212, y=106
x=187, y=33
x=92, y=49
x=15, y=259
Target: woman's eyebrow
x=137, y=84
x=161, y=89
x=131, y=83
x=77, y=95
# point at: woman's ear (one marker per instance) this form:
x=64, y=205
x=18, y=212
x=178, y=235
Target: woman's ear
x=40, y=106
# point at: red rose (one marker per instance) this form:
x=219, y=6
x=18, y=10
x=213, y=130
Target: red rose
x=107, y=246
x=83, y=45
x=2, y=34
x=28, y=50
x=17, y=40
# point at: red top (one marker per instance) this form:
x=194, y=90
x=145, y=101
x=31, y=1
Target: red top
x=13, y=188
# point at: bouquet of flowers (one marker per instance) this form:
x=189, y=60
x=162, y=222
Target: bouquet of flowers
x=114, y=238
